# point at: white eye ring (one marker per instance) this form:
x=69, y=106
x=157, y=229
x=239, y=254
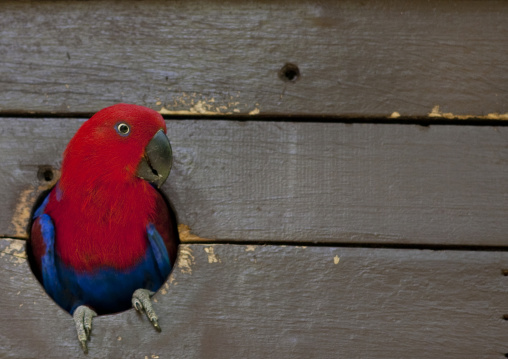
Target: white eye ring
x=122, y=129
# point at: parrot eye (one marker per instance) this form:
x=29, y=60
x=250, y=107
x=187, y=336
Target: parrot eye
x=122, y=129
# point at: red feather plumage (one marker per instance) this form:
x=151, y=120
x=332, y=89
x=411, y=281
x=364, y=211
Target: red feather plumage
x=104, y=208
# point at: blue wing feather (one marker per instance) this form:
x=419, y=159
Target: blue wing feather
x=49, y=266
x=159, y=250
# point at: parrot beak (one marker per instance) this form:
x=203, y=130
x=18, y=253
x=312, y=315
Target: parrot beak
x=157, y=160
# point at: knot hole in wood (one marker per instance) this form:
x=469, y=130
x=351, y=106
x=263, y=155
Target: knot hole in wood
x=289, y=72
x=45, y=173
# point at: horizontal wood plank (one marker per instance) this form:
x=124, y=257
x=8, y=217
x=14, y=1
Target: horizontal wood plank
x=265, y=181
x=232, y=301
x=385, y=58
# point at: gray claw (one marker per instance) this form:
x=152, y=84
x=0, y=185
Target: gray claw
x=141, y=302
x=83, y=316
x=84, y=346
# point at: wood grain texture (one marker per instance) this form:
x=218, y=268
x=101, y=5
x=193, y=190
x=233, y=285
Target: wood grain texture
x=302, y=182
x=374, y=58
x=232, y=301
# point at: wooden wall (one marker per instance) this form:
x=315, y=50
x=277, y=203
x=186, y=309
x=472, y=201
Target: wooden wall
x=340, y=177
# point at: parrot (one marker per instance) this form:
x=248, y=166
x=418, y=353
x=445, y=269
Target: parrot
x=104, y=238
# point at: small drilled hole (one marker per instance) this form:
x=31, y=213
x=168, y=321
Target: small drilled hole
x=45, y=173
x=289, y=72
x=504, y=272
x=505, y=316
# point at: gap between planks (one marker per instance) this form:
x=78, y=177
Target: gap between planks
x=444, y=119
x=187, y=237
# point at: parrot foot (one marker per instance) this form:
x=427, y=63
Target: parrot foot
x=141, y=302
x=83, y=316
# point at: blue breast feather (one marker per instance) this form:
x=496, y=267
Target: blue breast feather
x=106, y=290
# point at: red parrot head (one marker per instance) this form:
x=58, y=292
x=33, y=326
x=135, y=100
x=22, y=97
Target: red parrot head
x=119, y=144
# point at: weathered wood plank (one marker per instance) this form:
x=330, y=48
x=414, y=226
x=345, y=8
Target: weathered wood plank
x=373, y=58
x=231, y=301
x=355, y=183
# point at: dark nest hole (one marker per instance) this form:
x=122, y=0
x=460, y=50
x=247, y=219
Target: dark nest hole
x=46, y=174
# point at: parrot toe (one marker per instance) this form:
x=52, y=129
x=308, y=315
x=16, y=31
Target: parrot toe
x=83, y=316
x=141, y=302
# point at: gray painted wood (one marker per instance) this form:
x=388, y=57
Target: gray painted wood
x=233, y=301
x=301, y=182
x=370, y=58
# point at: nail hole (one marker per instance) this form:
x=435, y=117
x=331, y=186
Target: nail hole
x=289, y=72
x=45, y=173
x=504, y=272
